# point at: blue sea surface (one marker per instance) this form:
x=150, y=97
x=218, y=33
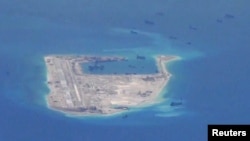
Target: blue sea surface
x=129, y=66
x=211, y=78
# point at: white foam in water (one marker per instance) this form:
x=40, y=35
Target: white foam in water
x=169, y=111
x=173, y=114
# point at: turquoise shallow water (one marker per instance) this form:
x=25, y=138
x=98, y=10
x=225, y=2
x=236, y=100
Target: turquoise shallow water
x=211, y=78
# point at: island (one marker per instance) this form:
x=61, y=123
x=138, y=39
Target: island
x=76, y=92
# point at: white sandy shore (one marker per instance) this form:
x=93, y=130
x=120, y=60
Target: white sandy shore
x=161, y=93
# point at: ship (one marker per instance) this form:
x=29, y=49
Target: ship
x=176, y=103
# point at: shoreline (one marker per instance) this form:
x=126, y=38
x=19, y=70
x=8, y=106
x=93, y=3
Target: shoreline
x=162, y=92
x=175, y=58
x=161, y=64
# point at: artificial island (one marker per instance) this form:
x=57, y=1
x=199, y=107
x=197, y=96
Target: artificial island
x=76, y=92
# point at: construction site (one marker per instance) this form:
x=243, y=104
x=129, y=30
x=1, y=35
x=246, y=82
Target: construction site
x=74, y=92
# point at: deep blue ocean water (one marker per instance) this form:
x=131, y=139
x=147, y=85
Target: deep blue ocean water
x=212, y=78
